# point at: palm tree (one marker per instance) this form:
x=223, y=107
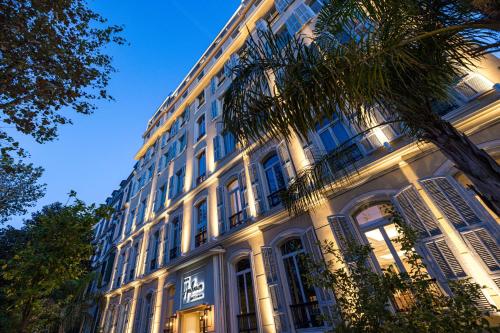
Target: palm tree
x=398, y=58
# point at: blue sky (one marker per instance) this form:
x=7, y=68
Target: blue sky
x=166, y=39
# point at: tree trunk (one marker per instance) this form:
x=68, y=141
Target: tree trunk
x=475, y=163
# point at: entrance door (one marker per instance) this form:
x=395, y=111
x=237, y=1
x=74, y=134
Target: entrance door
x=191, y=322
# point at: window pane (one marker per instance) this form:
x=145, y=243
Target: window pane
x=241, y=294
x=293, y=281
x=381, y=249
x=327, y=140
x=340, y=133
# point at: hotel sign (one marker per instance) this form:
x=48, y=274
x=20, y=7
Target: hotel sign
x=193, y=288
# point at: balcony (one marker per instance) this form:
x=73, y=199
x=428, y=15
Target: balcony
x=201, y=179
x=236, y=219
x=201, y=237
x=247, y=323
x=306, y=315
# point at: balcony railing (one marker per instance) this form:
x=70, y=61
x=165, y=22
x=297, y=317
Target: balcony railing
x=274, y=199
x=201, y=237
x=306, y=315
x=247, y=323
x=404, y=300
x=236, y=219
x=201, y=179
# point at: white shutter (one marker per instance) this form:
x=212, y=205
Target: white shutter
x=313, y=247
x=485, y=246
x=450, y=202
x=256, y=189
x=244, y=194
x=212, y=85
x=286, y=161
x=261, y=25
x=171, y=187
x=344, y=232
x=416, y=213
x=445, y=259
x=275, y=290
x=221, y=214
x=214, y=109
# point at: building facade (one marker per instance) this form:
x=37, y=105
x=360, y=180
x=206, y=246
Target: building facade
x=200, y=241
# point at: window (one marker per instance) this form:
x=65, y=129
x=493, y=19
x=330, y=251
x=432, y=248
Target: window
x=332, y=134
x=376, y=224
x=247, y=320
x=149, y=310
x=229, y=143
x=154, y=243
x=220, y=77
x=215, y=109
x=304, y=306
x=315, y=5
x=202, y=167
x=275, y=179
x=236, y=216
x=142, y=211
x=161, y=196
x=151, y=171
x=201, y=99
x=169, y=310
x=182, y=143
x=130, y=220
x=200, y=125
x=133, y=261
x=201, y=224
x=175, y=244
x=176, y=183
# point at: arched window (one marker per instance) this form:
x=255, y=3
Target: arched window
x=304, y=306
x=201, y=224
x=235, y=204
x=376, y=223
x=148, y=313
x=169, y=310
x=274, y=178
x=247, y=320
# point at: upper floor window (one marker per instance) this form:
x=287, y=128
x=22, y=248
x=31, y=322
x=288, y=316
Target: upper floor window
x=200, y=100
x=153, y=248
x=202, y=167
x=201, y=224
x=176, y=183
x=229, y=143
x=175, y=239
x=221, y=77
x=134, y=253
x=200, y=125
x=130, y=220
x=142, y=211
x=247, y=320
x=332, y=134
x=236, y=215
x=275, y=179
x=304, y=307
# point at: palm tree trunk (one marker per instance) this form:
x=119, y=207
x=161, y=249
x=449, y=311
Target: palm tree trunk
x=475, y=163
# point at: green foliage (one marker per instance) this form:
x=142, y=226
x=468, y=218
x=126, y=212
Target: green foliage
x=398, y=58
x=19, y=187
x=51, y=59
x=363, y=295
x=45, y=266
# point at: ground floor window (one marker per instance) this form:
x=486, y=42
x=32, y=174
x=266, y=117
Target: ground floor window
x=247, y=318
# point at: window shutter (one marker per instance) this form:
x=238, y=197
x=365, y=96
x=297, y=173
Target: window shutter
x=485, y=246
x=293, y=25
x=450, y=202
x=344, y=232
x=242, y=179
x=313, y=248
x=215, y=111
x=286, y=161
x=212, y=85
x=256, y=189
x=275, y=291
x=221, y=210
x=304, y=13
x=281, y=5
x=137, y=324
x=171, y=185
x=445, y=259
x=261, y=25
x=416, y=213
x=217, y=147
x=166, y=231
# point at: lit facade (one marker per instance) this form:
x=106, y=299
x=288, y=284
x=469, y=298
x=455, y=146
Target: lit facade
x=201, y=242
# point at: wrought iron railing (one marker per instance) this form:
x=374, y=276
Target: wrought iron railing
x=175, y=252
x=236, y=219
x=404, y=300
x=274, y=198
x=201, y=237
x=306, y=315
x=247, y=323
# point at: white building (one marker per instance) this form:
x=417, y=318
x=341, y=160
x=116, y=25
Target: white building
x=201, y=242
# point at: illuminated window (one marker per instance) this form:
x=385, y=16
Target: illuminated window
x=235, y=204
x=247, y=320
x=274, y=178
x=201, y=224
